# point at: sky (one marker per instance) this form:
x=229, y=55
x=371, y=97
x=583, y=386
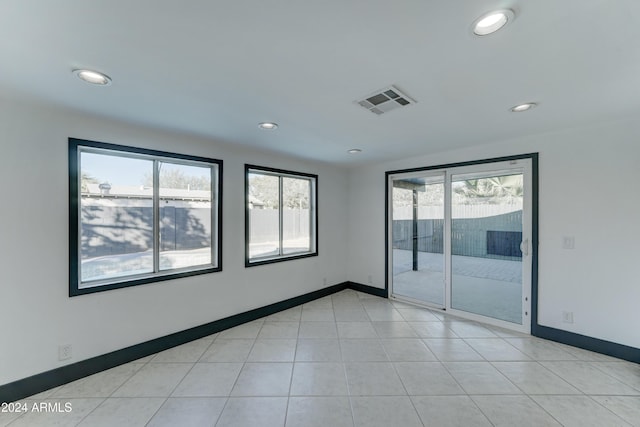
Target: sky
x=118, y=170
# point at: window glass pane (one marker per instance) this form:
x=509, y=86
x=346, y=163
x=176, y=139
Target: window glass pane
x=296, y=194
x=185, y=215
x=486, y=232
x=116, y=217
x=264, y=215
x=418, y=238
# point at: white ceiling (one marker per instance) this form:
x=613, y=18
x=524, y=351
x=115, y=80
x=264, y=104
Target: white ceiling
x=218, y=68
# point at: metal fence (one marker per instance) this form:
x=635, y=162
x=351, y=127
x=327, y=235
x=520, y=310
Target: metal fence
x=118, y=230
x=496, y=237
x=265, y=224
x=113, y=230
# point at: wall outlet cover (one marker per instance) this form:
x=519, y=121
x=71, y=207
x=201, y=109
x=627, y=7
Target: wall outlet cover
x=65, y=352
x=567, y=316
x=568, y=242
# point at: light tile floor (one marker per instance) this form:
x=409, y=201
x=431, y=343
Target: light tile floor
x=352, y=359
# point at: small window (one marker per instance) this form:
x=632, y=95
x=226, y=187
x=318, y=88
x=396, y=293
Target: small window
x=139, y=216
x=281, y=217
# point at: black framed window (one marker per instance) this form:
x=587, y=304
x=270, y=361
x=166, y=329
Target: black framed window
x=281, y=218
x=138, y=216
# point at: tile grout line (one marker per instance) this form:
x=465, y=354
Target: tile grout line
x=293, y=370
x=244, y=363
x=179, y=382
x=596, y=364
x=525, y=393
x=344, y=366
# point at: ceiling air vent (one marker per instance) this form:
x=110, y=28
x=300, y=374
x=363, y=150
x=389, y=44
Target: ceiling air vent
x=385, y=100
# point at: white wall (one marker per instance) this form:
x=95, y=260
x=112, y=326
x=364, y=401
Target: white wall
x=588, y=189
x=35, y=312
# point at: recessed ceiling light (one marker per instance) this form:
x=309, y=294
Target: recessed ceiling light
x=354, y=151
x=268, y=125
x=93, y=77
x=523, y=107
x=491, y=22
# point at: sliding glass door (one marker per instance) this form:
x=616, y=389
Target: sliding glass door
x=460, y=240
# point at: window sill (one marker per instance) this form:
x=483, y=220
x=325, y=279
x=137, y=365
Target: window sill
x=271, y=260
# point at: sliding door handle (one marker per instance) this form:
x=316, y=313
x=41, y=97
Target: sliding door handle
x=524, y=247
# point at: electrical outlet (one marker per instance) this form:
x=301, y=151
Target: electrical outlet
x=324, y=281
x=567, y=316
x=369, y=280
x=568, y=242
x=65, y=352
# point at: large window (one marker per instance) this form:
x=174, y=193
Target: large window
x=281, y=215
x=140, y=216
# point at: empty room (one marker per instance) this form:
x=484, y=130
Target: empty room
x=335, y=213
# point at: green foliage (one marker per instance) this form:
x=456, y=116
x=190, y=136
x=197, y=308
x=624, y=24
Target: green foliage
x=428, y=195
x=296, y=193
x=86, y=179
x=493, y=190
x=177, y=179
x=265, y=188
